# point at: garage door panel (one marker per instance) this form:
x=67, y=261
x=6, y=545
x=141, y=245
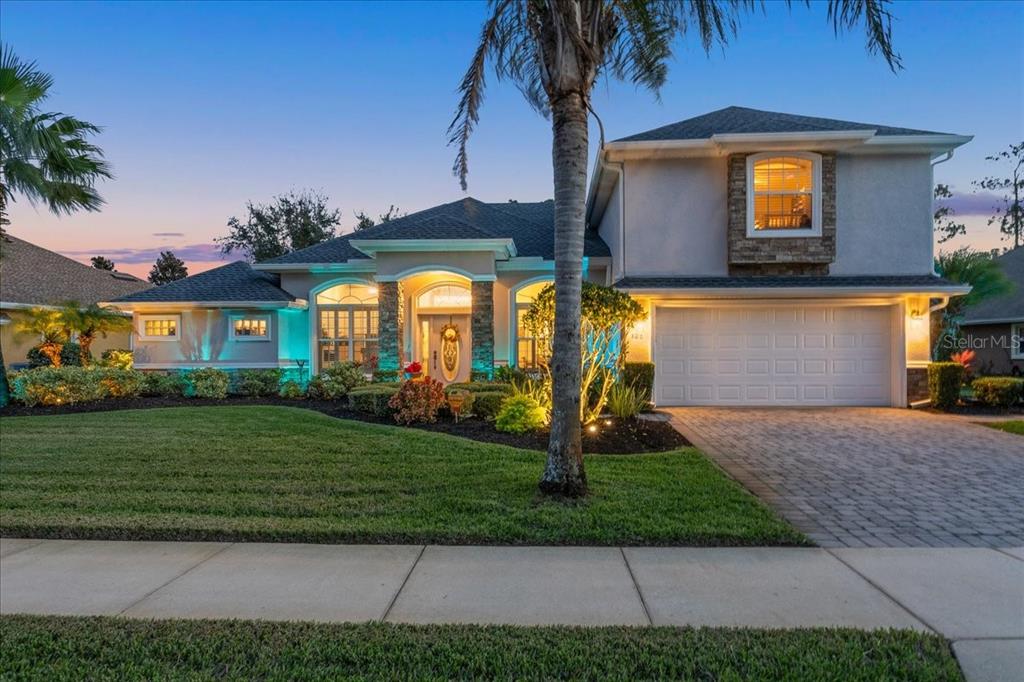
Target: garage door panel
x=773, y=354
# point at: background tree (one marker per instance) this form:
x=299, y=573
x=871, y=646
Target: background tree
x=290, y=222
x=554, y=51
x=1010, y=215
x=102, y=263
x=965, y=266
x=365, y=221
x=167, y=268
x=45, y=157
x=91, y=321
x=945, y=226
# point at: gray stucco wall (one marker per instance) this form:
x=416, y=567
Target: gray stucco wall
x=610, y=229
x=204, y=339
x=676, y=217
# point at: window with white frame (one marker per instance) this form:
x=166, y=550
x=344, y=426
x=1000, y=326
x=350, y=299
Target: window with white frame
x=784, y=195
x=347, y=324
x=159, y=327
x=250, y=328
x=530, y=351
x=1017, y=341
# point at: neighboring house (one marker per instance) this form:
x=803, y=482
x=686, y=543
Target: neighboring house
x=994, y=329
x=31, y=276
x=784, y=260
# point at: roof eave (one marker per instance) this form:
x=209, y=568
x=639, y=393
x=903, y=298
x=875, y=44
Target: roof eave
x=298, y=304
x=502, y=247
x=794, y=292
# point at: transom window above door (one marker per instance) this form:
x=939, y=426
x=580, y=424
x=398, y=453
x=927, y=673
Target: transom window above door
x=783, y=195
x=444, y=297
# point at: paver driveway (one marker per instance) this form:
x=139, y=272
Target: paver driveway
x=875, y=477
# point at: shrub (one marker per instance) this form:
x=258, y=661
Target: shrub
x=118, y=358
x=37, y=358
x=336, y=381
x=120, y=383
x=519, y=414
x=71, y=355
x=384, y=376
x=506, y=374
x=372, y=399
x=417, y=401
x=486, y=404
x=480, y=387
x=163, y=384
x=944, y=381
x=57, y=386
x=998, y=391
x=259, y=382
x=625, y=400
x=481, y=375
x=639, y=375
x=209, y=382
x=292, y=390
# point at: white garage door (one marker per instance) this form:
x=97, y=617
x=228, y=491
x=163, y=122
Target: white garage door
x=773, y=355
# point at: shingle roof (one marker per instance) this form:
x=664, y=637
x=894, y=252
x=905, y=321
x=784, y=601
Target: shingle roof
x=886, y=281
x=1009, y=306
x=32, y=275
x=744, y=120
x=232, y=282
x=530, y=225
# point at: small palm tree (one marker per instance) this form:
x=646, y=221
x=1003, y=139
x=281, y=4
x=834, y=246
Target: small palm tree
x=92, y=321
x=554, y=51
x=965, y=266
x=44, y=156
x=49, y=326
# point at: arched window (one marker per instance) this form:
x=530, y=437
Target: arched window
x=529, y=350
x=348, y=324
x=445, y=297
x=784, y=195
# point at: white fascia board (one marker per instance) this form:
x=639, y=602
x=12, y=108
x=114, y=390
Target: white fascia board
x=5, y=305
x=362, y=265
x=297, y=304
x=501, y=247
x=793, y=292
x=525, y=264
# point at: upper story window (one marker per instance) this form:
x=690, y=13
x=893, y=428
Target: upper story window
x=159, y=327
x=783, y=195
x=251, y=328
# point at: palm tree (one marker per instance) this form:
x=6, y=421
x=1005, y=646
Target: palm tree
x=44, y=156
x=965, y=266
x=49, y=326
x=92, y=321
x=554, y=51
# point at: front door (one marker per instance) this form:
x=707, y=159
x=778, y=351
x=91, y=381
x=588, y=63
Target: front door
x=445, y=348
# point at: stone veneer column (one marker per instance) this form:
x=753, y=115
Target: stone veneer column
x=391, y=323
x=917, y=384
x=482, y=327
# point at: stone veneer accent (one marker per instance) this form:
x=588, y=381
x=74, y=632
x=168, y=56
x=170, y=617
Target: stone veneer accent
x=917, y=384
x=391, y=323
x=482, y=327
x=780, y=256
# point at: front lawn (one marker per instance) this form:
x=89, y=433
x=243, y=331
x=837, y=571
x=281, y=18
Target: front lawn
x=1011, y=426
x=286, y=474
x=48, y=648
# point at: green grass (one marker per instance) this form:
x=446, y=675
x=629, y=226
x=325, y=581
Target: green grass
x=55, y=648
x=286, y=474
x=1011, y=426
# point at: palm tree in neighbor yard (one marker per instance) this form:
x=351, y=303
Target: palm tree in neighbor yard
x=554, y=51
x=45, y=157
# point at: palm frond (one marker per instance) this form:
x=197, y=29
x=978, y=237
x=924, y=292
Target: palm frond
x=847, y=14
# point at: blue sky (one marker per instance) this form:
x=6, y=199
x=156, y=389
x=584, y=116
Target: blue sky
x=208, y=105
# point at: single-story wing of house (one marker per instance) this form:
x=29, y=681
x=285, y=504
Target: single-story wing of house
x=994, y=328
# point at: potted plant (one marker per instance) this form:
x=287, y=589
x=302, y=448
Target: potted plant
x=413, y=370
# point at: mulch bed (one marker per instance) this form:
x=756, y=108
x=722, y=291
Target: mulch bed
x=612, y=437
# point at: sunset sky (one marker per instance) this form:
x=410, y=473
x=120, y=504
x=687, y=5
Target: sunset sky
x=206, y=105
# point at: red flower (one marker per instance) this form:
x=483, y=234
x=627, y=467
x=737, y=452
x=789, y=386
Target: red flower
x=413, y=368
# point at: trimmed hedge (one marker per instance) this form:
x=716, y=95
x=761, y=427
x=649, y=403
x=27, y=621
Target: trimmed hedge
x=373, y=399
x=209, y=382
x=944, y=382
x=487, y=404
x=70, y=385
x=998, y=391
x=258, y=383
x=163, y=384
x=481, y=387
x=639, y=375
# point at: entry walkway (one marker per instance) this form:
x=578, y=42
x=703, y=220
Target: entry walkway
x=973, y=596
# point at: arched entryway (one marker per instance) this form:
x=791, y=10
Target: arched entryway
x=442, y=334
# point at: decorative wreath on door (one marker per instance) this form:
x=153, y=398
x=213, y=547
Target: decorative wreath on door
x=450, y=351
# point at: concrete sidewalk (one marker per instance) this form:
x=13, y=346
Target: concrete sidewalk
x=975, y=597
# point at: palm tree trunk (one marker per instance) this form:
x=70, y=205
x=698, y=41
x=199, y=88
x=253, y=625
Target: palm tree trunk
x=5, y=387
x=563, y=473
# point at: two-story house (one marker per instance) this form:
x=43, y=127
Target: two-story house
x=784, y=260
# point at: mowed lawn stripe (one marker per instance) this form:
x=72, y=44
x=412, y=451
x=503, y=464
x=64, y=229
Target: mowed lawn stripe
x=287, y=474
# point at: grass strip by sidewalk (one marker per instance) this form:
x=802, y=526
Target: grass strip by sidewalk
x=1010, y=426
x=60, y=648
x=265, y=473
